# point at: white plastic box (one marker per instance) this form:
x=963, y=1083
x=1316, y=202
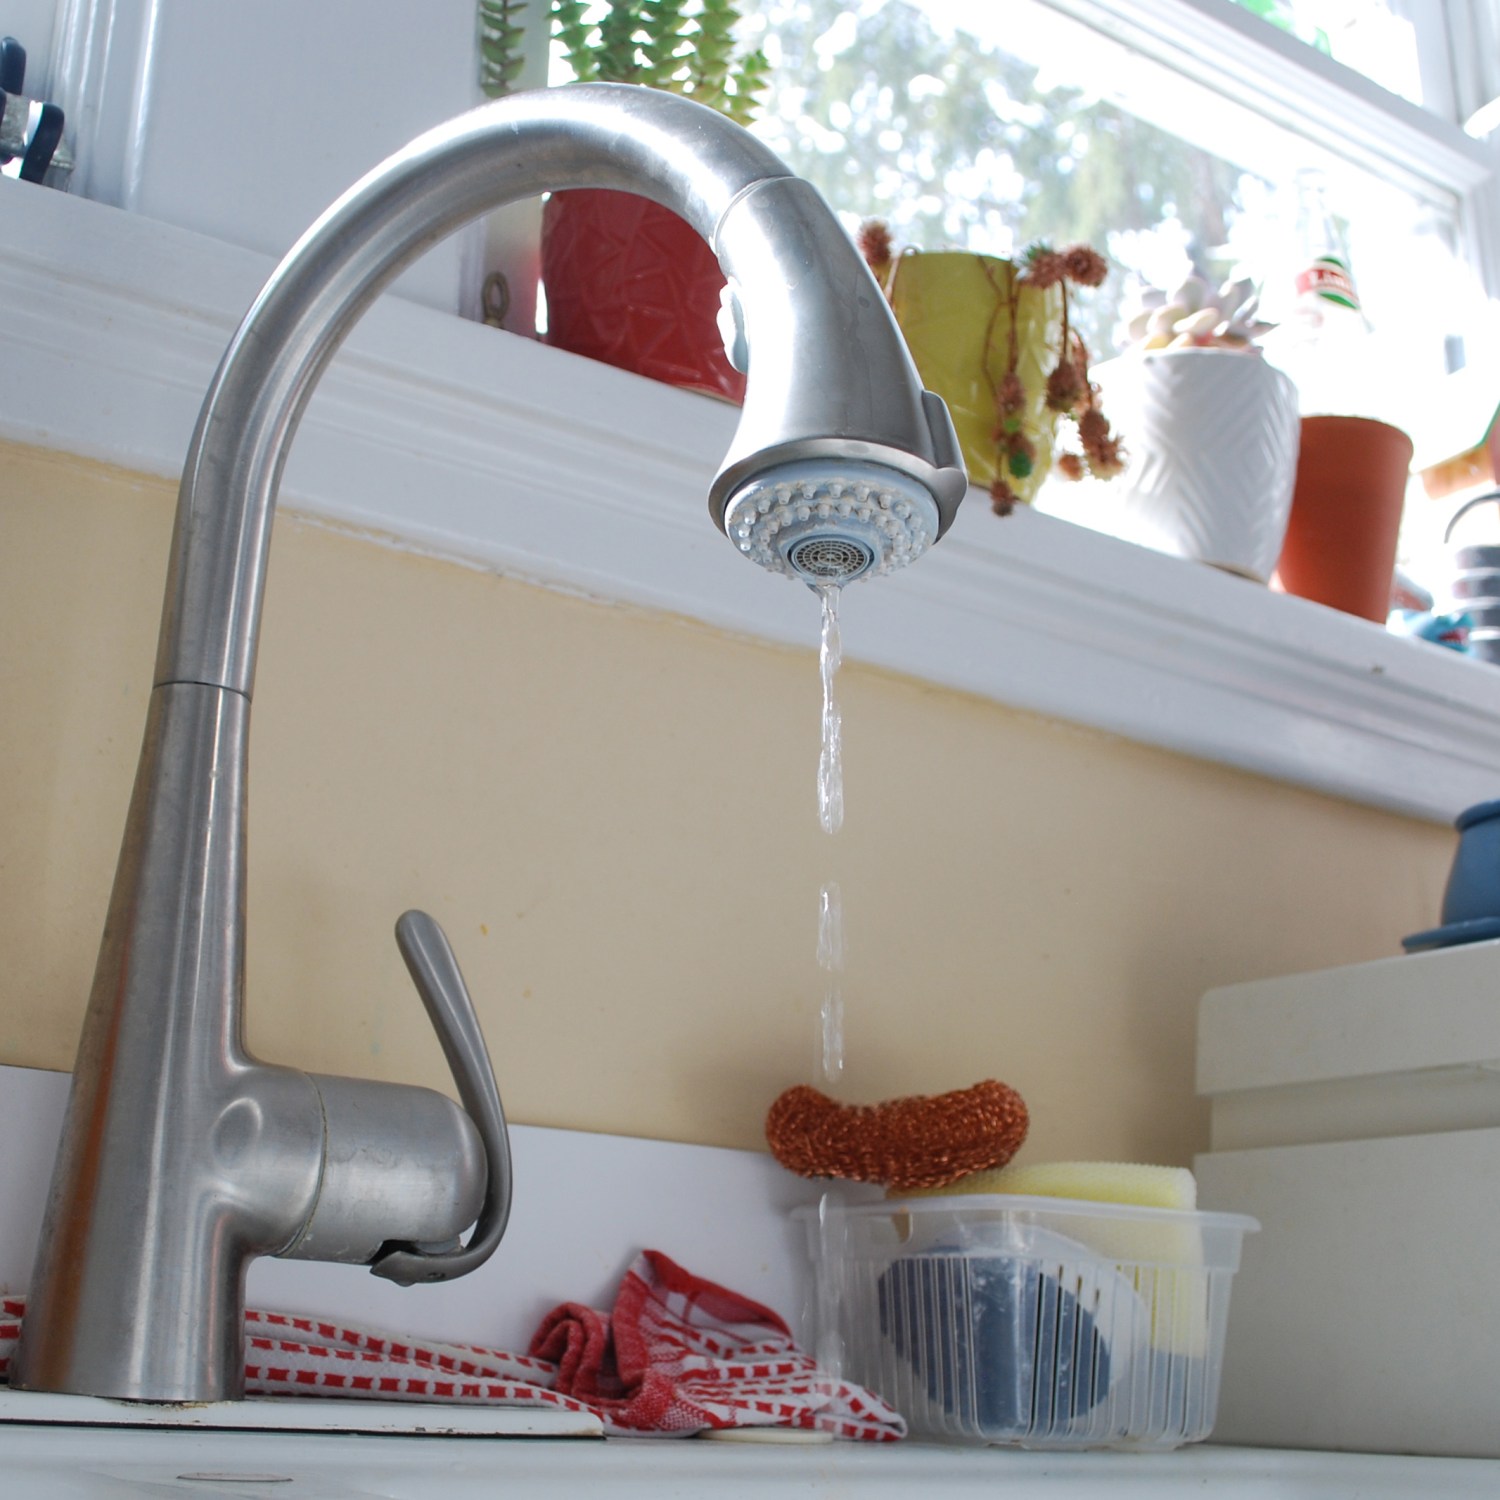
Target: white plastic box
x=1037, y=1322
x=1356, y=1112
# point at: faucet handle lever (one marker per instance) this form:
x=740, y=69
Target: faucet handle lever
x=434, y=970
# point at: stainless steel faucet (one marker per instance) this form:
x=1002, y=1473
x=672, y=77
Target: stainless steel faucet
x=182, y=1156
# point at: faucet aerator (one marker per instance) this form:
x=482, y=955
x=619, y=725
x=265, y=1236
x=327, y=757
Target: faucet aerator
x=827, y=522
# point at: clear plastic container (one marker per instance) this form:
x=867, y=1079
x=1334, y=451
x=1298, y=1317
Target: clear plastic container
x=1037, y=1322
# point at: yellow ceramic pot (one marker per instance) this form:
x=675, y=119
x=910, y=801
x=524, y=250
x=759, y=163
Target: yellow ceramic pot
x=955, y=310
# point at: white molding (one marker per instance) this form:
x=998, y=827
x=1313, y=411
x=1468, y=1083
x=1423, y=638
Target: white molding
x=450, y=438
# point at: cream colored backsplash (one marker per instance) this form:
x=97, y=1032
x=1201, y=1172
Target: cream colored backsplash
x=614, y=815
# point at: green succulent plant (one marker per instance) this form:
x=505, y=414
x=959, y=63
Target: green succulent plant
x=500, y=33
x=686, y=47
x=683, y=46
x=1195, y=316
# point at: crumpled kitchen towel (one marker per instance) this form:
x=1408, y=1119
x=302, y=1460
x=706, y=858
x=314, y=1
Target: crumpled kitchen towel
x=678, y=1354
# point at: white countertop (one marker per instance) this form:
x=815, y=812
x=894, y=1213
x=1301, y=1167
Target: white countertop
x=71, y=1463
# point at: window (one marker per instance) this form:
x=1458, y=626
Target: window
x=1377, y=38
x=1170, y=134
x=1150, y=128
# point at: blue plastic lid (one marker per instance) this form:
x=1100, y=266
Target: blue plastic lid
x=1477, y=930
x=1476, y=814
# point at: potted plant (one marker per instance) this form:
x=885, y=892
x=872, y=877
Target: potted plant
x=501, y=37
x=627, y=281
x=1214, y=429
x=993, y=338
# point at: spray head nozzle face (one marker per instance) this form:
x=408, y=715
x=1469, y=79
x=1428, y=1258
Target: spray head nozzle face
x=827, y=523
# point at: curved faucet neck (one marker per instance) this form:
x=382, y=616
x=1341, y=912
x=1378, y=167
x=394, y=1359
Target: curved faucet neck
x=831, y=374
x=680, y=154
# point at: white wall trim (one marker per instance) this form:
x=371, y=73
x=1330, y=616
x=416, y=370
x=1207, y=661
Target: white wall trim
x=470, y=444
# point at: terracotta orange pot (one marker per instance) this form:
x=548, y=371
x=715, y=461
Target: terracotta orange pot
x=1340, y=547
x=628, y=282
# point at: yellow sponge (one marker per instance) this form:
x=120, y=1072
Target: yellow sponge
x=1164, y=1261
x=1093, y=1181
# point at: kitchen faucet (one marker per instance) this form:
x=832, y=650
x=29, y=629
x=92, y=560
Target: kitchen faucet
x=182, y=1156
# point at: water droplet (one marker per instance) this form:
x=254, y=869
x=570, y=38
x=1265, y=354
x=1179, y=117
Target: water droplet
x=831, y=962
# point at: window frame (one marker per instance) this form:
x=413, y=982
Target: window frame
x=1273, y=75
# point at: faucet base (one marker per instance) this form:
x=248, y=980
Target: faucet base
x=181, y=1156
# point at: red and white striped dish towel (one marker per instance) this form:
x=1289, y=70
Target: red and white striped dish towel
x=680, y=1354
x=676, y=1355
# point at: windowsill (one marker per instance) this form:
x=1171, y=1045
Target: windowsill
x=455, y=440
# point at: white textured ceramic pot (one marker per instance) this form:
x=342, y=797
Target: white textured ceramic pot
x=1211, y=437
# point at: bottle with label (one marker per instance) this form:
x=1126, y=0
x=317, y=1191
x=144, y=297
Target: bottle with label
x=1341, y=540
x=1326, y=344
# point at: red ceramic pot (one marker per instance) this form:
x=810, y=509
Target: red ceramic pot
x=630, y=283
x=1340, y=547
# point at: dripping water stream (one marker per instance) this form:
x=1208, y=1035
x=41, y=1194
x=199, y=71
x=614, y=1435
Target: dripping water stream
x=829, y=1049
x=830, y=1058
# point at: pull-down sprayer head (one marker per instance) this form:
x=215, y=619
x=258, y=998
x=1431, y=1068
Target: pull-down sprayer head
x=843, y=466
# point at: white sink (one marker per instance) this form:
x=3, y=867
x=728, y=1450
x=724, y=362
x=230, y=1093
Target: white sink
x=70, y=1463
